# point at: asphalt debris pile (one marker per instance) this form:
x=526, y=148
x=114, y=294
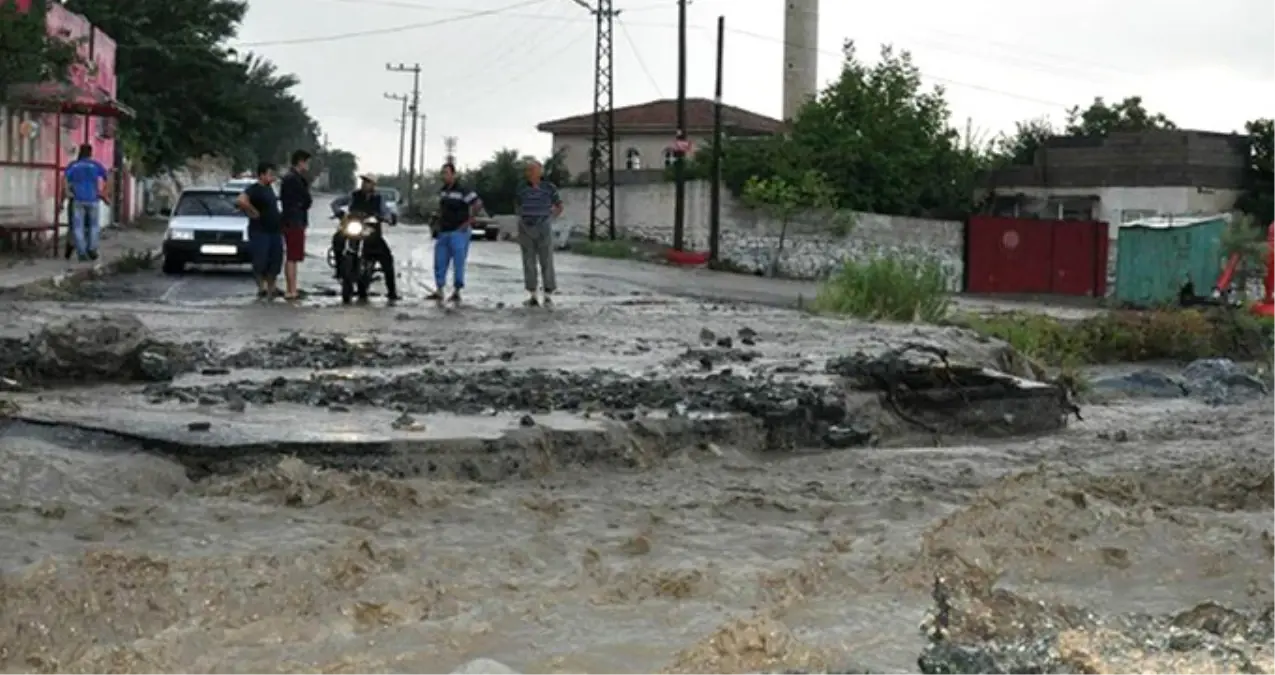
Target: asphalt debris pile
x=330, y=351
x=1213, y=381
x=975, y=627
x=918, y=383
x=94, y=349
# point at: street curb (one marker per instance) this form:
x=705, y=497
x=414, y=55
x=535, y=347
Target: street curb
x=96, y=271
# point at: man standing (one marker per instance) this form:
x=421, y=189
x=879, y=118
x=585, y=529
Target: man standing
x=295, y=201
x=538, y=203
x=265, y=237
x=87, y=181
x=457, y=208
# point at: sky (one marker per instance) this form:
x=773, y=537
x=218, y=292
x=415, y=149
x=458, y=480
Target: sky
x=493, y=69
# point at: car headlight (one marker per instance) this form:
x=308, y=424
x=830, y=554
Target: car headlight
x=353, y=228
x=181, y=235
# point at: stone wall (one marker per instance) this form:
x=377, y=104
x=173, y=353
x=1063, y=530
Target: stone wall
x=811, y=248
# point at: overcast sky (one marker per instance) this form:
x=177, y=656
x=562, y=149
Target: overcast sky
x=488, y=79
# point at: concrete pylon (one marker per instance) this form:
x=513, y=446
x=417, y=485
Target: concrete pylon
x=801, y=54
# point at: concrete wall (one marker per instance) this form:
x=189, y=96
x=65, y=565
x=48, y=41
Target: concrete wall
x=811, y=250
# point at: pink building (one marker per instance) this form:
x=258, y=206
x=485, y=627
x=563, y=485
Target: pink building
x=44, y=127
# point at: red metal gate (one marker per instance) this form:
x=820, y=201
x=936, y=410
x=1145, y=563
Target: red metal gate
x=1026, y=256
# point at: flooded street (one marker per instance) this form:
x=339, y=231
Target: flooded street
x=634, y=482
x=118, y=562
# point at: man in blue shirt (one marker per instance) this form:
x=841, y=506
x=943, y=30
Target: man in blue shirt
x=86, y=183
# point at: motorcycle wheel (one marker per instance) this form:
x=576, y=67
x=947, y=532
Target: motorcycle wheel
x=349, y=278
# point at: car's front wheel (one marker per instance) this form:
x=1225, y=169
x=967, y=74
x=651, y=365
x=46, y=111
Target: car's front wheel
x=174, y=265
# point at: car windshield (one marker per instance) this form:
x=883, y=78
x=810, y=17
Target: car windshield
x=207, y=204
x=389, y=194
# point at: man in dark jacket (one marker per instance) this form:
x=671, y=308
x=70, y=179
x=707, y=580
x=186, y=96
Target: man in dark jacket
x=367, y=202
x=295, y=201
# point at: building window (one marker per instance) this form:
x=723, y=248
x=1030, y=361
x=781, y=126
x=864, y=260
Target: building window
x=670, y=157
x=632, y=159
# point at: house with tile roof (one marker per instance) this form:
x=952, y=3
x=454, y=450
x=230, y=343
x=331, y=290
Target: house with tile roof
x=644, y=134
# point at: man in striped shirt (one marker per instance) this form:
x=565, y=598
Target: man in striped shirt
x=538, y=203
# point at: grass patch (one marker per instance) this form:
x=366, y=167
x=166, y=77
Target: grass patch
x=1129, y=336
x=616, y=249
x=887, y=289
x=136, y=261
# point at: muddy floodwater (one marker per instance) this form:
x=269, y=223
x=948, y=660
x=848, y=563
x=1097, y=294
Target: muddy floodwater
x=712, y=559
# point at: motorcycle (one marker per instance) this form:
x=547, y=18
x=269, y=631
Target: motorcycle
x=356, y=271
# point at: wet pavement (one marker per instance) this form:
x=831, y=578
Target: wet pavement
x=637, y=480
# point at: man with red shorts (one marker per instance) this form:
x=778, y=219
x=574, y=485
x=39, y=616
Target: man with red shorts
x=294, y=202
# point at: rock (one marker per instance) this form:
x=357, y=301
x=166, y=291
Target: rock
x=155, y=366
x=1148, y=383
x=707, y=336
x=484, y=667
x=199, y=426
x=214, y=371
x=527, y=421
x=725, y=342
x=507, y=356
x=406, y=422
x=705, y=363
x=103, y=348
x=747, y=333
x=235, y=401
x=1221, y=382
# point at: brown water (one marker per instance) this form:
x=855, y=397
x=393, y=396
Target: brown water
x=715, y=561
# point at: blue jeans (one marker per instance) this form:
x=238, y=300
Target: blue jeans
x=266, y=249
x=86, y=226
x=451, y=248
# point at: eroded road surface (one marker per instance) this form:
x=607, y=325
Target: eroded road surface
x=635, y=481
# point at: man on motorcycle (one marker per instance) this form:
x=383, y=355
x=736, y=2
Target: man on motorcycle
x=368, y=202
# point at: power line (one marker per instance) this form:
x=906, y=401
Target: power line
x=395, y=29
x=641, y=62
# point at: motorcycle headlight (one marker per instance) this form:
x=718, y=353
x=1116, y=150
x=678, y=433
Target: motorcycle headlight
x=181, y=235
x=353, y=228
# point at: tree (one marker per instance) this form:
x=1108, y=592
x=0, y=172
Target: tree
x=193, y=95
x=783, y=199
x=497, y=179
x=29, y=54
x=1258, y=200
x=339, y=166
x=1100, y=119
x=883, y=142
x=1020, y=147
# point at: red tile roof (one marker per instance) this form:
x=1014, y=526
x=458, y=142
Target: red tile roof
x=660, y=117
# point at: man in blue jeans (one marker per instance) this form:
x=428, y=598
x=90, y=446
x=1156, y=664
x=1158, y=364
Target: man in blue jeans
x=457, y=208
x=86, y=182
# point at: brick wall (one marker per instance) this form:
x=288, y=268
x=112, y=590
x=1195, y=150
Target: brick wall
x=1141, y=159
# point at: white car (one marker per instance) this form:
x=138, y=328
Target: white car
x=392, y=200
x=206, y=228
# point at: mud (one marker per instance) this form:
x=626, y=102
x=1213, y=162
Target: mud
x=783, y=500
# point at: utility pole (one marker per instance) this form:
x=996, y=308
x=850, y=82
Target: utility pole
x=423, y=120
x=679, y=160
x=414, y=108
x=602, y=154
x=402, y=128
x=715, y=194
x=449, y=148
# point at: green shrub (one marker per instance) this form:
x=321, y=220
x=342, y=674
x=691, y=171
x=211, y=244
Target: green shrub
x=604, y=248
x=887, y=289
x=1129, y=336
